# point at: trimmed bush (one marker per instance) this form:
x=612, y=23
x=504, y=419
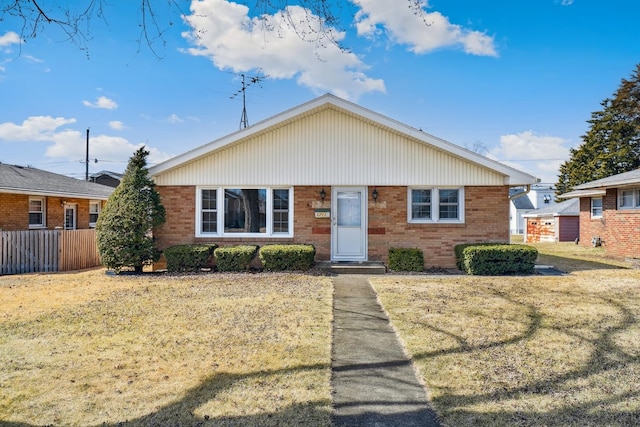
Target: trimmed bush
x=235, y=258
x=458, y=249
x=287, y=257
x=406, y=259
x=498, y=259
x=182, y=258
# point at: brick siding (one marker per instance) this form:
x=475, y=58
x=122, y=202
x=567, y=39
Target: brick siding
x=14, y=212
x=486, y=220
x=617, y=229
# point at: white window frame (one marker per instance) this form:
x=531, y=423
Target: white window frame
x=91, y=204
x=593, y=208
x=220, y=206
x=43, y=211
x=635, y=198
x=435, y=206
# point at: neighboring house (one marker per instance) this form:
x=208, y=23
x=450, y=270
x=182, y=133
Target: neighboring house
x=610, y=213
x=559, y=222
x=34, y=199
x=110, y=179
x=538, y=196
x=333, y=174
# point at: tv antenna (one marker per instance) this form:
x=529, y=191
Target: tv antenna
x=244, y=120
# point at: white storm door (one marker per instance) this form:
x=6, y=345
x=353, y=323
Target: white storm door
x=69, y=217
x=349, y=224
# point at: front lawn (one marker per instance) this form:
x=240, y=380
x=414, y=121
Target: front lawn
x=524, y=351
x=87, y=349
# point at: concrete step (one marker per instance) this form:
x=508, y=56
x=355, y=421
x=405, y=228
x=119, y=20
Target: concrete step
x=351, y=267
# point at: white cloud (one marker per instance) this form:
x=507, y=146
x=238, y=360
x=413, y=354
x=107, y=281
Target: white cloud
x=566, y=2
x=70, y=144
x=101, y=102
x=174, y=118
x=224, y=32
x=116, y=125
x=422, y=31
x=537, y=155
x=35, y=128
x=9, y=38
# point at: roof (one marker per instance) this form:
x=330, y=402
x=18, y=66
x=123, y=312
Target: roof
x=114, y=175
x=569, y=207
x=37, y=182
x=619, y=180
x=520, y=202
x=510, y=175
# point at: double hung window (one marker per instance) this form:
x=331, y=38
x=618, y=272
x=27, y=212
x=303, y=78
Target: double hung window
x=244, y=212
x=37, y=212
x=596, y=207
x=436, y=205
x=94, y=212
x=629, y=199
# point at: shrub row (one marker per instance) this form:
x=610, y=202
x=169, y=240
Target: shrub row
x=492, y=259
x=186, y=258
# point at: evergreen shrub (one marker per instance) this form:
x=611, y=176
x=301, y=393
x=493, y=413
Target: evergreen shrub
x=287, y=257
x=496, y=259
x=234, y=258
x=181, y=258
x=406, y=259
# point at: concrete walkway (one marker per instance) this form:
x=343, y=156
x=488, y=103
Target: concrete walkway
x=373, y=381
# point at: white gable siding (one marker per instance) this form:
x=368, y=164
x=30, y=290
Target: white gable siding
x=330, y=147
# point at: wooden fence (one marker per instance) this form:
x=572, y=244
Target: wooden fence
x=36, y=251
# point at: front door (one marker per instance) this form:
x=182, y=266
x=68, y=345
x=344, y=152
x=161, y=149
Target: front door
x=349, y=224
x=69, y=217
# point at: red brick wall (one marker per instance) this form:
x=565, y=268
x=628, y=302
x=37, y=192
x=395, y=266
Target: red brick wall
x=486, y=219
x=618, y=229
x=14, y=212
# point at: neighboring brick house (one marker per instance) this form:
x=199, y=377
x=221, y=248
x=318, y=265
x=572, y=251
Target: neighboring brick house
x=34, y=199
x=559, y=222
x=333, y=174
x=610, y=214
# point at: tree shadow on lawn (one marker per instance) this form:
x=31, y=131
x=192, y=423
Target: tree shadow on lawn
x=606, y=357
x=182, y=412
x=568, y=265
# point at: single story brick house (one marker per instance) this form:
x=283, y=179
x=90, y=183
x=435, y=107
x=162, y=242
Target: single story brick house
x=330, y=173
x=559, y=222
x=610, y=213
x=34, y=199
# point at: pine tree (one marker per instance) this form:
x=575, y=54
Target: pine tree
x=612, y=144
x=124, y=227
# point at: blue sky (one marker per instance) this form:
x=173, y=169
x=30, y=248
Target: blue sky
x=520, y=78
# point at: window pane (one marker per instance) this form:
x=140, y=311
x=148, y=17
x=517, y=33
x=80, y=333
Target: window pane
x=626, y=200
x=35, y=218
x=420, y=204
x=36, y=212
x=245, y=210
x=349, y=208
x=209, y=211
x=35, y=205
x=448, y=204
x=596, y=206
x=280, y=211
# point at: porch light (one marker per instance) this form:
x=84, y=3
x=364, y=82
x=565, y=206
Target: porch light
x=323, y=194
x=375, y=194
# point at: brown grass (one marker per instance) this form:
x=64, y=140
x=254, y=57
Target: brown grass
x=569, y=257
x=524, y=351
x=86, y=349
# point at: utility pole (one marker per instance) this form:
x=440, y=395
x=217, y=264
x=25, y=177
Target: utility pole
x=244, y=120
x=86, y=163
